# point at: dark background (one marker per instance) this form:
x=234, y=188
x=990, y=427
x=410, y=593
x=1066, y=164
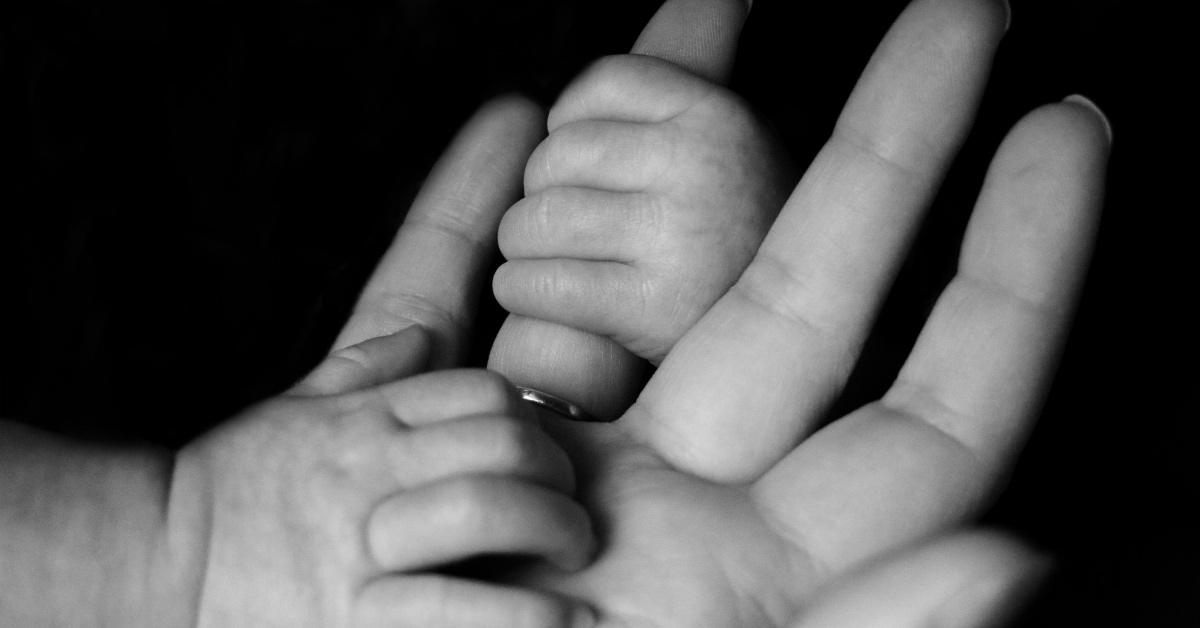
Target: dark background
x=194, y=193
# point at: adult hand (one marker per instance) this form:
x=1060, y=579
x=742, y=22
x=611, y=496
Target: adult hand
x=647, y=200
x=336, y=503
x=716, y=503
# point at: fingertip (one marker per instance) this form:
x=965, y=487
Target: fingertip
x=1065, y=145
x=993, y=551
x=1095, y=111
x=503, y=286
x=1007, y=573
x=1075, y=124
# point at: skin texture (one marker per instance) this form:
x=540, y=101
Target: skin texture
x=714, y=499
x=310, y=507
x=650, y=195
x=340, y=502
x=335, y=504
x=716, y=502
x=971, y=579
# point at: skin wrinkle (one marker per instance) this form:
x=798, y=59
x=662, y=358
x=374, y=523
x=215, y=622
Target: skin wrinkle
x=972, y=496
x=751, y=288
x=417, y=309
x=1040, y=306
x=859, y=143
x=454, y=225
x=918, y=404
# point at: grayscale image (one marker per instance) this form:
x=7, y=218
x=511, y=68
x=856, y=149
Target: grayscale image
x=579, y=314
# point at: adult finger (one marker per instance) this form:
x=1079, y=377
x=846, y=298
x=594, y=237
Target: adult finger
x=756, y=372
x=434, y=601
x=700, y=36
x=482, y=445
x=964, y=580
x=467, y=516
x=931, y=452
x=432, y=272
x=444, y=395
x=368, y=363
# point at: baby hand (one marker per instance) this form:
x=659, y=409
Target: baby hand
x=334, y=505
x=650, y=195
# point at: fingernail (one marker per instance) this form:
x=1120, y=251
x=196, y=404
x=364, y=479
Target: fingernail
x=992, y=601
x=584, y=617
x=1080, y=99
x=1007, y=14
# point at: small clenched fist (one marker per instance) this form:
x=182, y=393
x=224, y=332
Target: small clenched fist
x=648, y=198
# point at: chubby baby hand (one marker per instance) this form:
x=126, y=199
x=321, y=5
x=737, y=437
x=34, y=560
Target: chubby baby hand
x=648, y=198
x=336, y=504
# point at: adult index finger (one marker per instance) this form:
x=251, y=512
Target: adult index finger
x=698, y=35
x=432, y=272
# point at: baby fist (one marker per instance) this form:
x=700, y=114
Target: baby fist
x=650, y=195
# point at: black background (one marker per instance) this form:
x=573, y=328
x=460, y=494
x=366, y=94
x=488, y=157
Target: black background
x=193, y=194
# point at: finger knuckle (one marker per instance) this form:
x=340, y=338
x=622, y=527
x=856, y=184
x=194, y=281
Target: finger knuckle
x=528, y=222
x=539, y=170
x=611, y=72
x=518, y=227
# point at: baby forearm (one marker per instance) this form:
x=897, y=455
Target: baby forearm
x=83, y=534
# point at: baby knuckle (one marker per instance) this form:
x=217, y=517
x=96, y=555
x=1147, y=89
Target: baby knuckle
x=612, y=70
x=524, y=224
x=539, y=170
